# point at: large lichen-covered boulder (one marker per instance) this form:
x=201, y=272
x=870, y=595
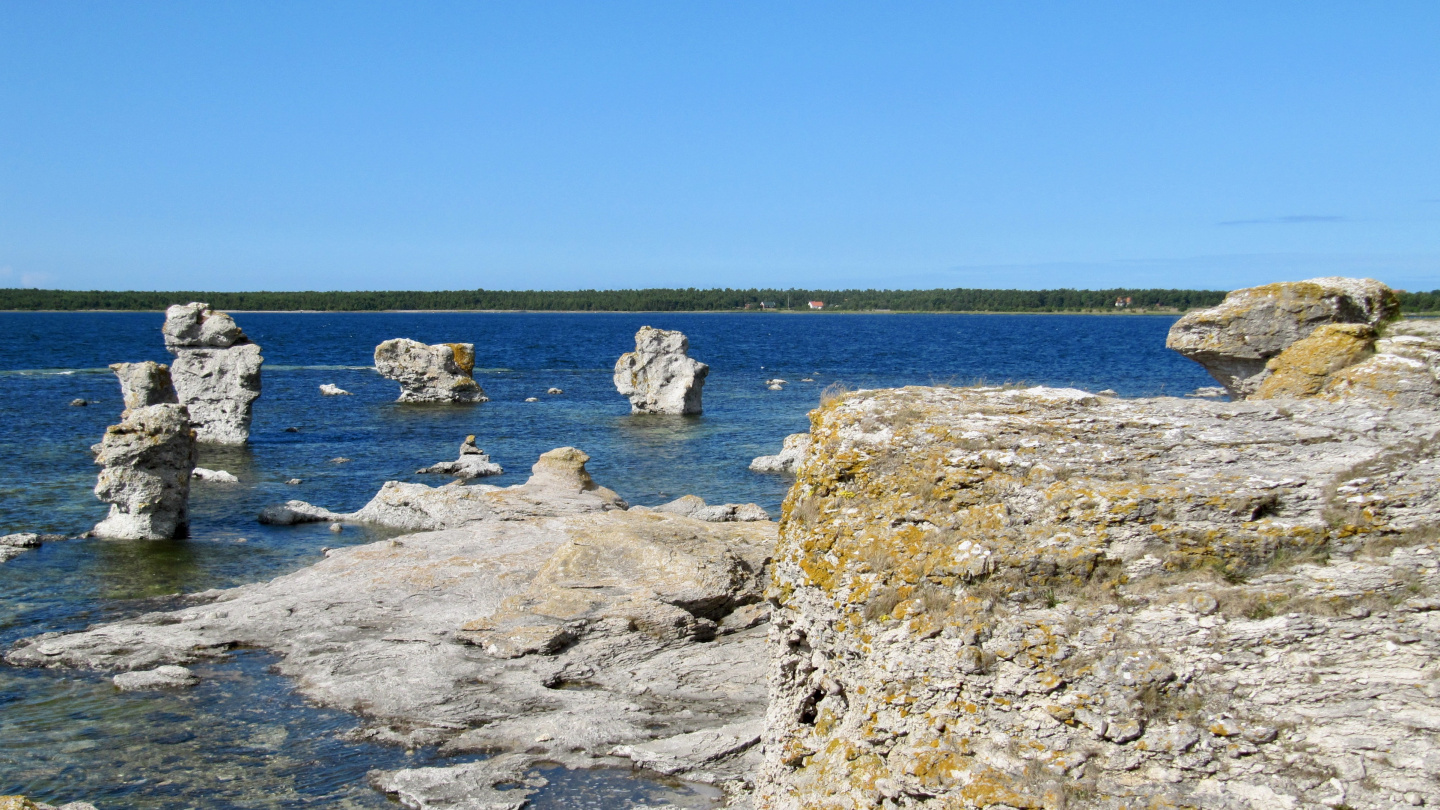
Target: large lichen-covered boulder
x=148, y=459
x=1403, y=371
x=143, y=384
x=660, y=376
x=216, y=372
x=438, y=373
x=1236, y=339
x=1042, y=598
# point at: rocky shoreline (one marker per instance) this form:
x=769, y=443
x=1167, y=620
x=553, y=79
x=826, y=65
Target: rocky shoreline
x=984, y=597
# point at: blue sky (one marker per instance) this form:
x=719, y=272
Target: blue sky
x=309, y=145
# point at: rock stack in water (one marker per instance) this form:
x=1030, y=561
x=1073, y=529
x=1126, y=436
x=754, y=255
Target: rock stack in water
x=438, y=373
x=145, y=384
x=216, y=372
x=1236, y=341
x=148, y=459
x=660, y=376
x=473, y=463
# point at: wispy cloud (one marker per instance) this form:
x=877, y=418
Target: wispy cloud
x=1293, y=219
x=35, y=279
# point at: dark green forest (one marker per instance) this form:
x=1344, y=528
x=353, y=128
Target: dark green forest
x=652, y=300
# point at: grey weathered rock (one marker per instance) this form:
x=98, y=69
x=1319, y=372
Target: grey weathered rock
x=332, y=390
x=143, y=384
x=473, y=463
x=471, y=786
x=558, y=485
x=1024, y=598
x=148, y=459
x=439, y=373
x=792, y=452
x=214, y=476
x=659, y=376
x=166, y=676
x=216, y=372
x=1234, y=340
x=558, y=635
x=695, y=506
x=13, y=545
x=78, y=402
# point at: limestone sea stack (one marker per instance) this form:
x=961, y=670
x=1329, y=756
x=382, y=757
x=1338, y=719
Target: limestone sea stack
x=438, y=373
x=216, y=371
x=660, y=376
x=1236, y=339
x=148, y=459
x=144, y=384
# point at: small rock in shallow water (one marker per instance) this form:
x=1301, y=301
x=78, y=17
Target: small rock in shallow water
x=532, y=399
x=339, y=460
x=292, y=430
x=554, y=391
x=169, y=676
x=214, y=476
x=294, y=481
x=337, y=528
x=333, y=390
x=79, y=403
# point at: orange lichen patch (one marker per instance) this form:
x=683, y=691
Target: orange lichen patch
x=464, y=356
x=1303, y=369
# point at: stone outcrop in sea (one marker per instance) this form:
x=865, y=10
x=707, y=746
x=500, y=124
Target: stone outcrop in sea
x=1046, y=598
x=792, y=452
x=216, y=372
x=1235, y=340
x=438, y=373
x=13, y=545
x=148, y=459
x=473, y=463
x=143, y=384
x=546, y=624
x=660, y=376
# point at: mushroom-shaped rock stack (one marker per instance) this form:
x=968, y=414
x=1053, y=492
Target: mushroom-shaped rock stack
x=1236, y=340
x=216, y=372
x=660, y=376
x=438, y=373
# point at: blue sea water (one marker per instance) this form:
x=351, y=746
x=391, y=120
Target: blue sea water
x=244, y=739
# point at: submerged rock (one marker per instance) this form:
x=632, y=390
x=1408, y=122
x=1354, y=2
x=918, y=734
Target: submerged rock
x=1236, y=339
x=148, y=459
x=168, y=676
x=144, y=384
x=792, y=452
x=473, y=463
x=216, y=372
x=659, y=376
x=991, y=597
x=438, y=373
x=332, y=390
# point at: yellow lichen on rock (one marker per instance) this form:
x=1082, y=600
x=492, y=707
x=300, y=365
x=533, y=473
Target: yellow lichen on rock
x=1304, y=368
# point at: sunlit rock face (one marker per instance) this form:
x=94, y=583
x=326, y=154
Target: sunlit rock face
x=1044, y=598
x=148, y=459
x=660, y=376
x=216, y=372
x=438, y=373
x=1235, y=340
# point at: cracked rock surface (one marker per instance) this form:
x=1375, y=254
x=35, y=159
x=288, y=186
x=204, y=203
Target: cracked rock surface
x=1046, y=598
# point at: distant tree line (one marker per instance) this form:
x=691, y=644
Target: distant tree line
x=651, y=300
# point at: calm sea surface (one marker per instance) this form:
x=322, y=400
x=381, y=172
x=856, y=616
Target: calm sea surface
x=243, y=738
